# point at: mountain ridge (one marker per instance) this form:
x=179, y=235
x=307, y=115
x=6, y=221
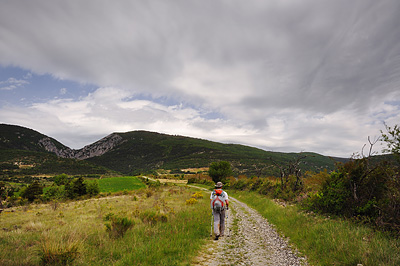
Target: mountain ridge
x=139, y=151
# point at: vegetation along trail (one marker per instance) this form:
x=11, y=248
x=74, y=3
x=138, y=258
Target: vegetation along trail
x=249, y=240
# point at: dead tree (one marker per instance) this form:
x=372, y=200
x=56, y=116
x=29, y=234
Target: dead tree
x=292, y=168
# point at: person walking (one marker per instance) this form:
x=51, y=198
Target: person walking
x=219, y=205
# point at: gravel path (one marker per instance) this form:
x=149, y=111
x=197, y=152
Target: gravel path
x=249, y=240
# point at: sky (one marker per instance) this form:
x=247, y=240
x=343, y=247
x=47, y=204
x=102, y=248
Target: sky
x=281, y=75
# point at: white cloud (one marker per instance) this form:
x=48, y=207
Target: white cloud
x=12, y=83
x=282, y=75
x=63, y=91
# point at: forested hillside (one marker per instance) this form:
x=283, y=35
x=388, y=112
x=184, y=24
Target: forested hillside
x=142, y=152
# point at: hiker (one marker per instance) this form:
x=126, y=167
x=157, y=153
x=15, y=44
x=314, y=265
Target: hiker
x=219, y=205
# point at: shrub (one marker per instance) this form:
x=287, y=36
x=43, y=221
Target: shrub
x=191, y=201
x=33, y=191
x=58, y=253
x=219, y=171
x=92, y=188
x=197, y=195
x=54, y=192
x=117, y=226
x=153, y=217
x=265, y=188
x=60, y=179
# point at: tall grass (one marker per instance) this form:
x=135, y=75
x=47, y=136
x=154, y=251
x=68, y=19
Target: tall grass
x=327, y=241
x=75, y=233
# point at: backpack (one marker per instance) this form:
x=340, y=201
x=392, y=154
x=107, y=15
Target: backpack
x=217, y=202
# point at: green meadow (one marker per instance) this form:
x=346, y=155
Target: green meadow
x=115, y=184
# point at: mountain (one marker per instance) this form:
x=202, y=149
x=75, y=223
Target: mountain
x=24, y=151
x=21, y=138
x=143, y=151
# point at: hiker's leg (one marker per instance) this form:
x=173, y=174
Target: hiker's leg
x=222, y=222
x=216, y=222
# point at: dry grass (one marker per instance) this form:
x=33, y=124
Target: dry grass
x=76, y=232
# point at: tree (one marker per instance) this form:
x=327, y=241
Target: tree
x=290, y=168
x=219, y=171
x=392, y=139
x=61, y=179
x=79, y=186
x=3, y=193
x=76, y=188
x=33, y=191
x=92, y=188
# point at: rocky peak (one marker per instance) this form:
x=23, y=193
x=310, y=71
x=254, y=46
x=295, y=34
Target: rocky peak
x=96, y=149
x=99, y=147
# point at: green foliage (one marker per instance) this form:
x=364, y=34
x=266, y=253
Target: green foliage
x=45, y=163
x=219, y=171
x=79, y=186
x=92, y=187
x=33, y=191
x=326, y=241
x=334, y=195
x=117, y=226
x=392, y=139
x=54, y=192
x=61, y=179
x=142, y=152
x=363, y=191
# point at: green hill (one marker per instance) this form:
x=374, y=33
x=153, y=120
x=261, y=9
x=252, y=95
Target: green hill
x=144, y=151
x=22, y=138
x=23, y=154
x=141, y=152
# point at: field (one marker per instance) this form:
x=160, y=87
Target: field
x=115, y=184
x=165, y=226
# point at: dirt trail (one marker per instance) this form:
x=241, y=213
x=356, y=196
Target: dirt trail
x=252, y=241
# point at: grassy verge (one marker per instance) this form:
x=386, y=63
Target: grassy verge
x=326, y=241
x=115, y=184
x=166, y=230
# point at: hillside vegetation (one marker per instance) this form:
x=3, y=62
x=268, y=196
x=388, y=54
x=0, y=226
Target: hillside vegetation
x=137, y=152
x=15, y=163
x=141, y=151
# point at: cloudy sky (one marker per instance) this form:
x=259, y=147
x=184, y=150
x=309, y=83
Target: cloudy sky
x=281, y=75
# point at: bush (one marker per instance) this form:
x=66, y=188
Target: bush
x=117, y=226
x=52, y=253
x=197, y=195
x=191, y=201
x=33, y=191
x=153, y=217
x=219, y=171
x=334, y=195
x=54, y=192
x=92, y=188
x=362, y=190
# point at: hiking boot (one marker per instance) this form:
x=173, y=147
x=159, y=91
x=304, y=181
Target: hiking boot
x=216, y=237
